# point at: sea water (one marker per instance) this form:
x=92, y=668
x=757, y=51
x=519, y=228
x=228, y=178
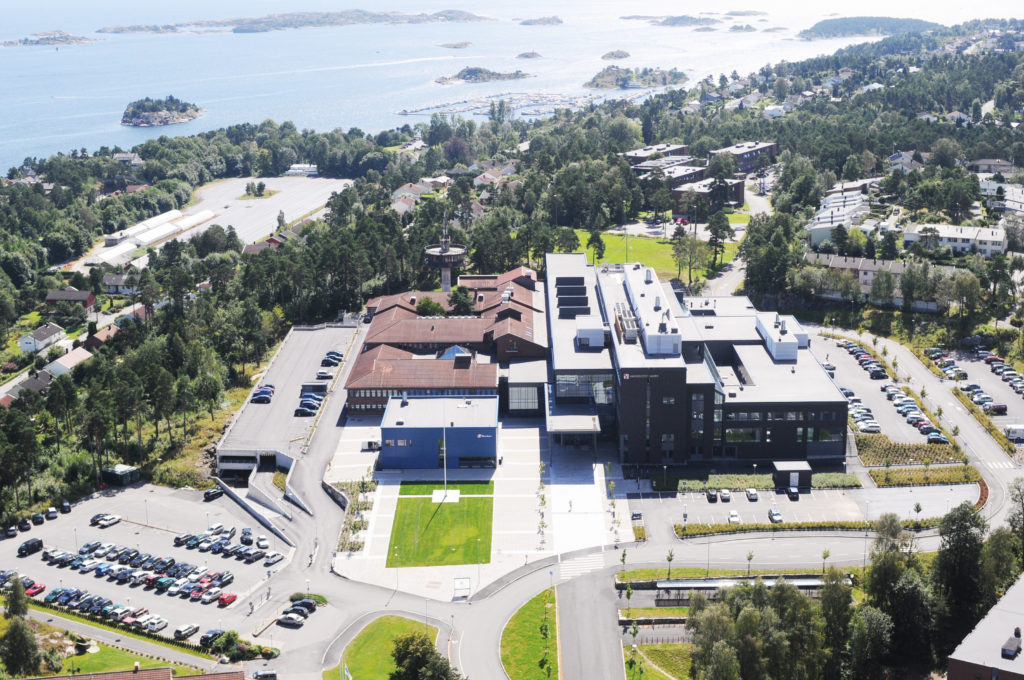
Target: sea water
x=72, y=97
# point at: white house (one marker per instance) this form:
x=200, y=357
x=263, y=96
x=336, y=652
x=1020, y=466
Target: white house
x=67, y=362
x=41, y=338
x=961, y=239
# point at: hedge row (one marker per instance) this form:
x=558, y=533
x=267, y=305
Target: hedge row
x=961, y=474
x=739, y=482
x=699, y=529
x=878, y=450
x=639, y=533
x=985, y=422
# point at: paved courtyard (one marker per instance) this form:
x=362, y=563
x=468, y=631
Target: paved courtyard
x=575, y=512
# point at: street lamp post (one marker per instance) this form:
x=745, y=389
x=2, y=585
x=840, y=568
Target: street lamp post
x=396, y=568
x=145, y=502
x=867, y=528
x=664, y=477
x=478, y=564
x=709, y=552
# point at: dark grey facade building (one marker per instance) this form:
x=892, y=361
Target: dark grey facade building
x=679, y=381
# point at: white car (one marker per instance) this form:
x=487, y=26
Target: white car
x=293, y=620
x=156, y=624
x=725, y=495
x=145, y=620
x=215, y=529
x=210, y=595
x=197, y=574
x=273, y=557
x=109, y=521
x=262, y=543
x=751, y=494
x=324, y=375
x=103, y=550
x=734, y=517
x=88, y=565
x=177, y=586
x=869, y=427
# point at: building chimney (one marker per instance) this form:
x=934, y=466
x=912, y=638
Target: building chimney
x=657, y=303
x=649, y=276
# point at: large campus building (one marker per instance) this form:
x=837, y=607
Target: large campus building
x=683, y=380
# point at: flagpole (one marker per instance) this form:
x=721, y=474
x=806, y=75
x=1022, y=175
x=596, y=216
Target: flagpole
x=444, y=439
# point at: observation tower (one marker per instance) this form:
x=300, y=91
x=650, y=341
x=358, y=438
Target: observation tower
x=444, y=256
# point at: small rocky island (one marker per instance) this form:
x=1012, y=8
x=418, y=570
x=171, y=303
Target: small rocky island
x=476, y=74
x=48, y=38
x=541, y=21
x=528, y=55
x=456, y=45
x=156, y=112
x=615, y=54
x=618, y=78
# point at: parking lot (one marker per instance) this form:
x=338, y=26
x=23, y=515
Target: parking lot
x=850, y=375
x=274, y=426
x=151, y=517
x=979, y=373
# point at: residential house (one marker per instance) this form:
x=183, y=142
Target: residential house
x=101, y=337
x=640, y=155
x=904, y=162
x=121, y=284
x=302, y=170
x=1011, y=201
x=927, y=117
x=706, y=189
x=662, y=164
x=128, y=159
x=772, y=112
x=256, y=248
x=41, y=338
x=848, y=210
x=992, y=165
x=86, y=298
x=958, y=118
x=40, y=382
x=67, y=363
x=961, y=239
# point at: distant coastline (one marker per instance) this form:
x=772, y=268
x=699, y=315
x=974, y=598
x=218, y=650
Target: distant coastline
x=542, y=21
x=456, y=45
x=615, y=54
x=294, y=20
x=48, y=38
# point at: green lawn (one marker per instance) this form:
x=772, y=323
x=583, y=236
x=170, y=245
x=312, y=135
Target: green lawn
x=110, y=659
x=426, y=488
x=522, y=644
x=654, y=252
x=426, y=534
x=655, y=612
x=737, y=218
x=641, y=669
x=700, y=572
x=674, y=660
x=368, y=657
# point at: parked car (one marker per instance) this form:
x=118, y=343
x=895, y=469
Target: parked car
x=712, y=495
x=734, y=517
x=51, y=513
x=109, y=521
x=751, y=494
x=306, y=603
x=869, y=427
x=292, y=620
x=272, y=558
x=186, y=631
x=327, y=362
x=725, y=495
x=210, y=636
x=303, y=412
x=937, y=438
x=157, y=624
x=213, y=494
x=226, y=598
x=260, y=399
x=35, y=589
x=793, y=493
x=324, y=375
x=246, y=538
x=262, y=543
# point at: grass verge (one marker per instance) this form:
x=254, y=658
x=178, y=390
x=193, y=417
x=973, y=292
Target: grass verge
x=112, y=659
x=368, y=656
x=701, y=529
x=657, y=612
x=280, y=475
x=985, y=422
x=658, y=662
x=120, y=631
x=426, y=488
x=878, y=449
x=821, y=480
x=529, y=642
x=959, y=474
x=426, y=534
x=319, y=599
x=633, y=575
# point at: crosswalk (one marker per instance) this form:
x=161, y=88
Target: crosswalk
x=580, y=565
x=1000, y=464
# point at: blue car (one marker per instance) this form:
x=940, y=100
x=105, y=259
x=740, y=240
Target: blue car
x=260, y=399
x=310, y=404
x=220, y=545
x=104, y=569
x=68, y=595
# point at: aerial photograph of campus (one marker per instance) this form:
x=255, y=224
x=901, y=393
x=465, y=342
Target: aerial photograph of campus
x=520, y=341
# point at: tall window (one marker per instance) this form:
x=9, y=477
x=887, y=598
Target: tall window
x=523, y=398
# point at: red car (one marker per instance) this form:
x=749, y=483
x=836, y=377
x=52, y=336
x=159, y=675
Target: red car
x=226, y=599
x=35, y=589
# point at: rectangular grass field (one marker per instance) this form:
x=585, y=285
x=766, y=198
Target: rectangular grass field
x=426, y=534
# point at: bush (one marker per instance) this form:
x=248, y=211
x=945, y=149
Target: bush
x=986, y=422
x=960, y=474
x=639, y=533
x=878, y=450
x=700, y=529
x=319, y=599
x=834, y=480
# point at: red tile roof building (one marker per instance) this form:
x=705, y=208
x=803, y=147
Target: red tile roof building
x=402, y=349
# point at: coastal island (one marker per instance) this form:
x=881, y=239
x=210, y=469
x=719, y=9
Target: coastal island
x=618, y=78
x=293, y=20
x=48, y=38
x=615, y=54
x=477, y=74
x=456, y=45
x=528, y=55
x=853, y=26
x=746, y=13
x=542, y=21
x=742, y=28
x=156, y=112
x=681, y=20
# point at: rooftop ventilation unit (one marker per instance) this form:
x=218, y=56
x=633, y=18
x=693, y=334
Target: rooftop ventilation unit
x=625, y=322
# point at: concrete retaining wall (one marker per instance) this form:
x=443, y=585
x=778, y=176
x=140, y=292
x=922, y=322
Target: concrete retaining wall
x=257, y=494
x=257, y=515
x=336, y=495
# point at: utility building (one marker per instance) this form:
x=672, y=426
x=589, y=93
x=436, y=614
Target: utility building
x=416, y=430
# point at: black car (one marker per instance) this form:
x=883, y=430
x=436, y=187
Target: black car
x=246, y=538
x=65, y=507
x=305, y=604
x=128, y=555
x=712, y=495
x=181, y=539
x=38, y=518
x=96, y=519
x=299, y=609
x=209, y=637
x=255, y=555
x=24, y=525
x=149, y=562
x=213, y=494
x=329, y=362
x=137, y=561
x=224, y=579
x=232, y=550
